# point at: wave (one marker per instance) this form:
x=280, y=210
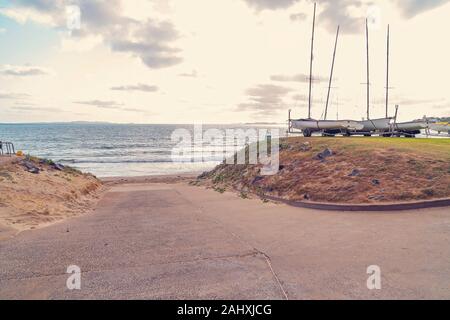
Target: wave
x=118, y=161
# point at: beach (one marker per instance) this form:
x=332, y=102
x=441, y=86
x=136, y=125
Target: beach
x=163, y=238
x=152, y=150
x=216, y=235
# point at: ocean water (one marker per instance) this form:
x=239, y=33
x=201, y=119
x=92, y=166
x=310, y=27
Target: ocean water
x=111, y=150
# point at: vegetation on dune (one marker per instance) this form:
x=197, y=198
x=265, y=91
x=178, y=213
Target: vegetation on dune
x=359, y=170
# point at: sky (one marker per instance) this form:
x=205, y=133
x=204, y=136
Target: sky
x=218, y=61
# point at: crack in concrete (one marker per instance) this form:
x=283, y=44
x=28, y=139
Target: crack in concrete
x=253, y=253
x=260, y=252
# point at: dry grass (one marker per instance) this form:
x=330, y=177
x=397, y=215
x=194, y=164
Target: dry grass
x=388, y=170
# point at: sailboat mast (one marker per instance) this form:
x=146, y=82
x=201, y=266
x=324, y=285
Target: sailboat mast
x=311, y=63
x=368, y=78
x=387, y=75
x=331, y=74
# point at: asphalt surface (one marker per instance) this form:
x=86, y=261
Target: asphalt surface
x=174, y=241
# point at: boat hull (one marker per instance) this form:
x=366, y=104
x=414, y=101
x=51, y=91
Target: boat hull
x=383, y=124
x=439, y=127
x=319, y=125
x=410, y=126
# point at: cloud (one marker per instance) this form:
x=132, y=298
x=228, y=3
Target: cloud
x=150, y=40
x=300, y=97
x=265, y=99
x=349, y=14
x=409, y=102
x=138, y=87
x=411, y=8
x=298, y=16
x=101, y=104
x=270, y=4
x=23, y=71
x=13, y=96
x=192, y=74
x=113, y=105
x=2, y=30
x=443, y=104
x=33, y=109
x=296, y=78
x=136, y=110
x=153, y=55
x=442, y=107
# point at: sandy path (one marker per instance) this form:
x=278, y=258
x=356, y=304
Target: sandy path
x=153, y=240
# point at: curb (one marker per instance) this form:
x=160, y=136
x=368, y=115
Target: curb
x=364, y=207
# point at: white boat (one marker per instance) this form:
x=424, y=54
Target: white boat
x=410, y=126
x=439, y=127
x=382, y=124
x=308, y=126
x=318, y=125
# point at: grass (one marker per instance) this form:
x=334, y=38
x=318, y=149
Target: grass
x=438, y=147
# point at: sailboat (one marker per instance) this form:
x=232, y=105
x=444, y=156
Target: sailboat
x=383, y=124
x=409, y=128
x=440, y=127
x=309, y=125
x=413, y=127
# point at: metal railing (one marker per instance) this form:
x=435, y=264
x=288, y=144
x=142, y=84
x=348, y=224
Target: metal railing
x=7, y=148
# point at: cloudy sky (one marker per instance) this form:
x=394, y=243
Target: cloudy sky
x=216, y=61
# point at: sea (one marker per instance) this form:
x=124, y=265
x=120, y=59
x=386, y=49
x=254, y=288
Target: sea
x=117, y=150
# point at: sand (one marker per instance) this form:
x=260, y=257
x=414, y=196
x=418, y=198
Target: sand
x=30, y=201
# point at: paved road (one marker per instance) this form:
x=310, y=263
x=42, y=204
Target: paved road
x=147, y=241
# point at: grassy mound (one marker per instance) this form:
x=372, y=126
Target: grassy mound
x=359, y=170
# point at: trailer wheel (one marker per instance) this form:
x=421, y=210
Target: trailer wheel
x=307, y=133
x=367, y=135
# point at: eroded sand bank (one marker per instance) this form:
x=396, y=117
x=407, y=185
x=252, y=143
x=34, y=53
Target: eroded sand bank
x=33, y=200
